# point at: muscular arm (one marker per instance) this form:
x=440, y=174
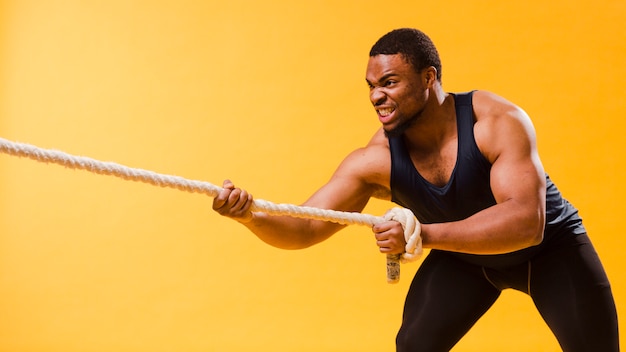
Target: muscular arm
x=357, y=178
x=506, y=137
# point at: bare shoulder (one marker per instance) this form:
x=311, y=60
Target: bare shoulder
x=371, y=165
x=500, y=124
x=490, y=105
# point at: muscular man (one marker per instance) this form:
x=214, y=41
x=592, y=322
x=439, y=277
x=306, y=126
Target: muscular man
x=468, y=168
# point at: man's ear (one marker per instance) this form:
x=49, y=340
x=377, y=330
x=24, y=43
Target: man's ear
x=429, y=76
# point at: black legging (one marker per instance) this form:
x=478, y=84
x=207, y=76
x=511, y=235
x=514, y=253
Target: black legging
x=568, y=286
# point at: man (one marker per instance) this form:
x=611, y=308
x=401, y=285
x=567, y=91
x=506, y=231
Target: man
x=467, y=166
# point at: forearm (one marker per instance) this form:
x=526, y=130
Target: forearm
x=287, y=232
x=502, y=228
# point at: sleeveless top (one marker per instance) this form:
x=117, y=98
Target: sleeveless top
x=468, y=191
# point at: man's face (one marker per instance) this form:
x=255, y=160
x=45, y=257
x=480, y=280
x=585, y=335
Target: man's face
x=397, y=92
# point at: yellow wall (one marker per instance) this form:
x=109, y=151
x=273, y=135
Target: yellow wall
x=272, y=95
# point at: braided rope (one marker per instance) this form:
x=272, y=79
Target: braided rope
x=404, y=216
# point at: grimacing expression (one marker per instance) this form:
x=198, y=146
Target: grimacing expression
x=397, y=92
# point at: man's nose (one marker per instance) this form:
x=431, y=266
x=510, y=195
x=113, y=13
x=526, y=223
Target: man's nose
x=377, y=97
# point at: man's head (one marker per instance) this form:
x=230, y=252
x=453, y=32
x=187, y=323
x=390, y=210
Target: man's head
x=415, y=46
x=404, y=78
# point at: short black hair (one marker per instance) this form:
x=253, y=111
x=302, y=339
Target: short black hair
x=413, y=44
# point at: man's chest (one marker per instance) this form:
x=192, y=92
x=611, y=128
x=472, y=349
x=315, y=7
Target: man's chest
x=436, y=166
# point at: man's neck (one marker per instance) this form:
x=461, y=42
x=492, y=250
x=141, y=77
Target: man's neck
x=436, y=125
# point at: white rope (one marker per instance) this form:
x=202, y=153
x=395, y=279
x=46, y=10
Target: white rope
x=403, y=216
x=412, y=230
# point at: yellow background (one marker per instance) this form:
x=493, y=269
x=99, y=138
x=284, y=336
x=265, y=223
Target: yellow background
x=272, y=95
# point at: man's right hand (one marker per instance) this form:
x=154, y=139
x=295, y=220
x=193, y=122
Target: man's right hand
x=234, y=203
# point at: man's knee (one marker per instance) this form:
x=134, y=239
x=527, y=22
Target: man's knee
x=410, y=340
x=407, y=342
x=403, y=343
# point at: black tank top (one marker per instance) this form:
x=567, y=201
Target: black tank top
x=468, y=191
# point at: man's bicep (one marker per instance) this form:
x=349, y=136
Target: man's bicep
x=354, y=182
x=521, y=179
x=517, y=172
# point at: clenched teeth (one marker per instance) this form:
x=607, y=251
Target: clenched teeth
x=385, y=112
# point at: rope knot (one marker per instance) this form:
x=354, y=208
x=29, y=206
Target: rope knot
x=412, y=230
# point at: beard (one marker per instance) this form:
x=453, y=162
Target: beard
x=402, y=126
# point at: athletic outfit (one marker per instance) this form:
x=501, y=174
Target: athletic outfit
x=451, y=291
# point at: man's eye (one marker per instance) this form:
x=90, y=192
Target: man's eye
x=389, y=83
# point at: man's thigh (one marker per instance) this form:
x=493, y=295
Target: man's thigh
x=573, y=295
x=446, y=298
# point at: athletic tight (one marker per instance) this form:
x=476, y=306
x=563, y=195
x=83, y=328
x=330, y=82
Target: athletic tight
x=567, y=284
